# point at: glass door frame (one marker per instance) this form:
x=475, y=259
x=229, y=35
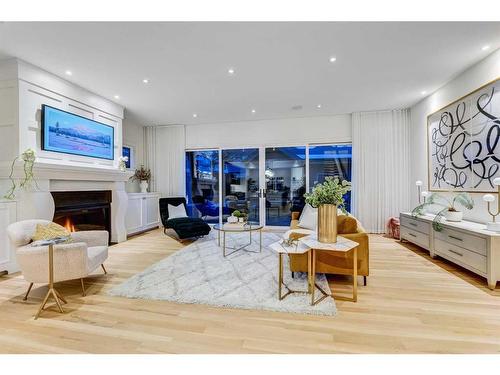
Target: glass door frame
x=262, y=171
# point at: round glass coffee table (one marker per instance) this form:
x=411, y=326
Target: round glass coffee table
x=238, y=228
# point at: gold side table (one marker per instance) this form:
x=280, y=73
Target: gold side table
x=52, y=291
x=282, y=248
x=343, y=245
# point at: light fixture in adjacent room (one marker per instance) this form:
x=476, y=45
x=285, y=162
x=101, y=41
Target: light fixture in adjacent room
x=419, y=184
x=231, y=71
x=117, y=97
x=145, y=81
x=423, y=92
x=195, y=115
x=318, y=106
x=253, y=111
x=69, y=72
x=485, y=48
x=333, y=59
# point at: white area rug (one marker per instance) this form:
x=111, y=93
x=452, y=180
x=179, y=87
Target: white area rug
x=200, y=274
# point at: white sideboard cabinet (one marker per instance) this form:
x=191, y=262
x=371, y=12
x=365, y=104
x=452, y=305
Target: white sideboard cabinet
x=7, y=254
x=465, y=243
x=142, y=212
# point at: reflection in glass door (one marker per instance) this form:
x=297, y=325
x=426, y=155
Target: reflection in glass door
x=285, y=183
x=240, y=182
x=202, y=184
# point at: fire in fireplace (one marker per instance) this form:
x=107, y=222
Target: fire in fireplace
x=83, y=210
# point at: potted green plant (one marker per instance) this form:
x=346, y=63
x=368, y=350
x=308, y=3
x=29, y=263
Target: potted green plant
x=448, y=208
x=241, y=216
x=28, y=157
x=143, y=175
x=327, y=197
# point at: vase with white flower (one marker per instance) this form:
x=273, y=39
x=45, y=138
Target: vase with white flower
x=122, y=163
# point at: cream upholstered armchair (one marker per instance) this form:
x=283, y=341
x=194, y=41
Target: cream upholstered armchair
x=76, y=260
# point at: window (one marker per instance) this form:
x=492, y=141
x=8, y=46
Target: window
x=330, y=160
x=127, y=151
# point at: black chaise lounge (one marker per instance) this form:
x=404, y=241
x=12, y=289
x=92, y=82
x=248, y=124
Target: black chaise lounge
x=185, y=227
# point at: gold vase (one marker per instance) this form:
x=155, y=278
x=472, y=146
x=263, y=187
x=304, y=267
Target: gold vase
x=327, y=223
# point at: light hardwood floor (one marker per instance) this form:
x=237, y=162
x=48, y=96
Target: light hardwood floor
x=412, y=304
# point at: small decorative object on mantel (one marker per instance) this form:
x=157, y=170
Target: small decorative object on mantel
x=448, y=208
x=327, y=197
x=494, y=226
x=28, y=158
x=122, y=163
x=143, y=175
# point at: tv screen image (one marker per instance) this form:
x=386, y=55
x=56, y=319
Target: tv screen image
x=72, y=134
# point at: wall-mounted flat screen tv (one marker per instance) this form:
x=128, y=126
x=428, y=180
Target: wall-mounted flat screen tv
x=72, y=134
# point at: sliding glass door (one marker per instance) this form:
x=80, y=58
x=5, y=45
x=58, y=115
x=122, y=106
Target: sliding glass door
x=285, y=183
x=240, y=182
x=267, y=183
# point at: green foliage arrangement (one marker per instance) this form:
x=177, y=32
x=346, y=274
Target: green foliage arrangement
x=331, y=191
x=237, y=213
x=463, y=199
x=28, y=157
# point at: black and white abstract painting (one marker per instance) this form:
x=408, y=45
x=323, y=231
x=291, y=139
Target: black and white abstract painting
x=463, y=142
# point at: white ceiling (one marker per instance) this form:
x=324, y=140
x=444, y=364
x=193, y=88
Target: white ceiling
x=278, y=65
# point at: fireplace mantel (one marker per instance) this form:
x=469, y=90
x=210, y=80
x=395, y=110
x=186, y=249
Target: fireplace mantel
x=47, y=171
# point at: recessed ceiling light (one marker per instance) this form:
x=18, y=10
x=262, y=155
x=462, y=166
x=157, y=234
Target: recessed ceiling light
x=195, y=115
x=423, y=92
x=69, y=73
x=485, y=48
x=333, y=59
x=231, y=71
x=318, y=106
x=145, y=80
x=253, y=111
x=117, y=96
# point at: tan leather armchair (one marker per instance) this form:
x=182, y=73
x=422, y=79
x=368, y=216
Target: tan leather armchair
x=335, y=263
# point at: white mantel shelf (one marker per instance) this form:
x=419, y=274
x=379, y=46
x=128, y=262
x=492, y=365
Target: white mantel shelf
x=45, y=171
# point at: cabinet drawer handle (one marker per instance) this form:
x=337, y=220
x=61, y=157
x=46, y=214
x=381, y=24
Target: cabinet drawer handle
x=411, y=234
x=455, y=238
x=414, y=224
x=456, y=252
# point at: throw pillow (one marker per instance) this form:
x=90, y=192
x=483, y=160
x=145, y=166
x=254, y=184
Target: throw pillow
x=346, y=224
x=309, y=218
x=49, y=231
x=175, y=212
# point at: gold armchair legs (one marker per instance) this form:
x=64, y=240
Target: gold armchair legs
x=104, y=269
x=83, y=287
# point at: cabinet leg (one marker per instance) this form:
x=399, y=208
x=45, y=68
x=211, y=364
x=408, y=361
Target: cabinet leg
x=364, y=280
x=492, y=283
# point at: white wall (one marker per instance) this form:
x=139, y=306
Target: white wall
x=294, y=131
x=21, y=113
x=483, y=72
x=133, y=136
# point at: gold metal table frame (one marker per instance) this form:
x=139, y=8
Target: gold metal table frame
x=52, y=290
x=244, y=228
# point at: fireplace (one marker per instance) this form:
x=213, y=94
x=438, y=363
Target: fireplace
x=83, y=210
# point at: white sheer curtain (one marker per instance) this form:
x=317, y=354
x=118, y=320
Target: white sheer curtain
x=380, y=176
x=165, y=156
